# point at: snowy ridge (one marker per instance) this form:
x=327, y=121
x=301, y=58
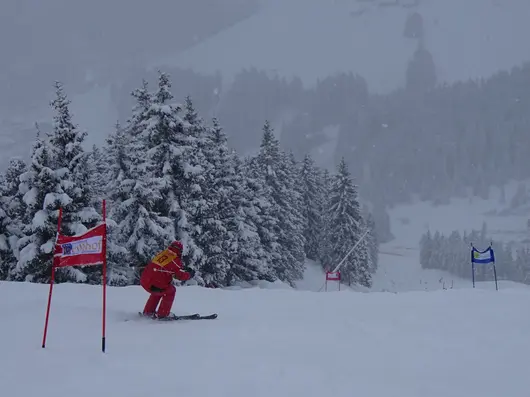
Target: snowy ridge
x=315, y=38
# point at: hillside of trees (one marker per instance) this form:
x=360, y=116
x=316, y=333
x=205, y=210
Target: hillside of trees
x=453, y=254
x=167, y=174
x=427, y=140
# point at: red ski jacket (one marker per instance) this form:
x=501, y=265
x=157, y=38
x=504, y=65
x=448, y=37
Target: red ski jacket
x=160, y=271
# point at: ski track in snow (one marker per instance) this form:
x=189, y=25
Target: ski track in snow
x=266, y=343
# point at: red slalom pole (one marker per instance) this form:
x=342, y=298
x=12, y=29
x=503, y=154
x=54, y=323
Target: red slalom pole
x=52, y=281
x=48, y=308
x=104, y=279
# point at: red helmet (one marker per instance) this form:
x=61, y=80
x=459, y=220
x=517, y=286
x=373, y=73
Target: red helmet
x=176, y=246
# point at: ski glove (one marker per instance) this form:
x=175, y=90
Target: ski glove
x=190, y=271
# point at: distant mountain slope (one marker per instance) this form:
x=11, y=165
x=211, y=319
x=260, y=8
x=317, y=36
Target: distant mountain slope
x=315, y=38
x=70, y=40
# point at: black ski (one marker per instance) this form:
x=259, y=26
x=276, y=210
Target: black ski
x=195, y=316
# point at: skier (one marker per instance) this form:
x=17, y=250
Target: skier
x=157, y=280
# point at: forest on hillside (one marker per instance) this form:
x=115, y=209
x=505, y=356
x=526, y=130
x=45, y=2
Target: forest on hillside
x=428, y=140
x=452, y=253
x=168, y=174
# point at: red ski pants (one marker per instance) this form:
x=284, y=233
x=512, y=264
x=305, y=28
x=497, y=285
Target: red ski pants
x=167, y=296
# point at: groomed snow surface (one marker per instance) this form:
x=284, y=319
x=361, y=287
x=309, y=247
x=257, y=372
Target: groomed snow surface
x=268, y=343
x=417, y=339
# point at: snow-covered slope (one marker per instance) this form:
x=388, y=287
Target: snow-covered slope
x=314, y=38
x=399, y=260
x=266, y=343
x=276, y=341
x=399, y=268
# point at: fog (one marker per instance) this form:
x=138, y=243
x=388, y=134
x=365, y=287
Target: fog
x=69, y=40
x=390, y=85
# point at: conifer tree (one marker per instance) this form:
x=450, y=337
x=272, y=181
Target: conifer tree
x=194, y=196
x=117, y=160
x=252, y=256
x=72, y=162
x=218, y=237
x=42, y=187
x=139, y=196
x=313, y=202
x=426, y=245
x=344, y=226
x=7, y=259
x=453, y=252
x=273, y=168
x=14, y=206
x=196, y=127
x=295, y=194
x=75, y=170
x=98, y=177
x=12, y=176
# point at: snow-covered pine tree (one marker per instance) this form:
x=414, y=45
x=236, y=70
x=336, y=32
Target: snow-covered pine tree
x=139, y=196
x=76, y=169
x=453, y=252
x=426, y=247
x=98, y=177
x=313, y=202
x=295, y=201
x=42, y=187
x=14, y=204
x=344, y=226
x=12, y=181
x=7, y=259
x=15, y=168
x=249, y=259
x=197, y=198
x=160, y=129
x=382, y=222
x=218, y=238
x=196, y=127
x=259, y=213
x=175, y=147
x=70, y=159
x=117, y=160
x=235, y=253
x=66, y=138
x=325, y=180
x=278, y=182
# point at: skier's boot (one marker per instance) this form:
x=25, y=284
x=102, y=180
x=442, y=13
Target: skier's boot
x=170, y=316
